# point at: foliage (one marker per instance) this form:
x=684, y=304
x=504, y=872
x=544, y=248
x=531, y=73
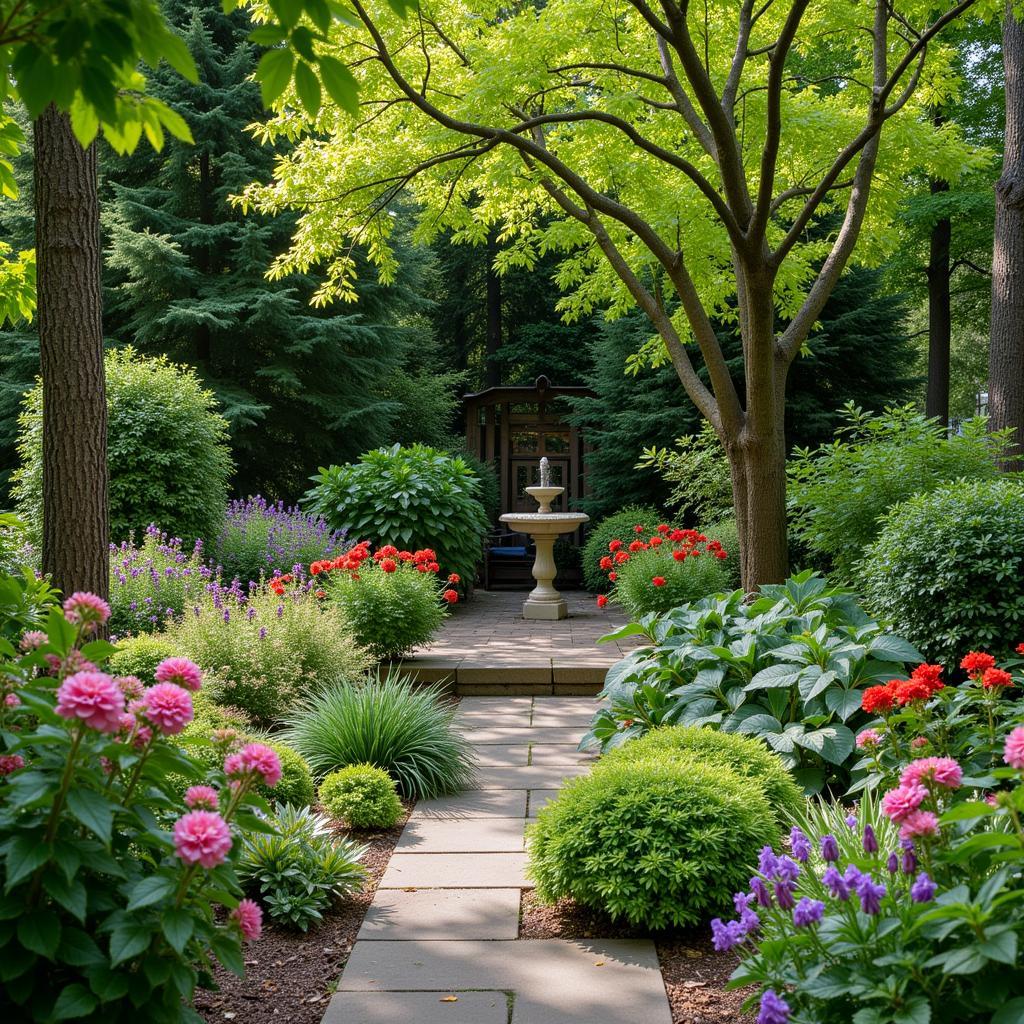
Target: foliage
x=725, y=532
x=658, y=842
x=109, y=913
x=25, y=603
x=413, y=497
x=787, y=667
x=490, y=487
x=261, y=538
x=152, y=583
x=946, y=567
x=300, y=869
x=668, y=569
x=167, y=452
x=603, y=532
x=16, y=550
x=838, y=493
x=390, y=722
x=361, y=795
x=931, y=896
x=745, y=756
x=267, y=650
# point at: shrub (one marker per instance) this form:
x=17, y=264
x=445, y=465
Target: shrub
x=154, y=582
x=747, y=757
x=389, y=722
x=16, y=549
x=659, y=842
x=361, y=795
x=168, y=452
x=25, y=603
x=139, y=655
x=654, y=581
x=838, y=493
x=413, y=497
x=948, y=568
x=114, y=908
x=301, y=869
x=260, y=538
x=602, y=533
x=725, y=532
x=789, y=668
x=266, y=650
x=490, y=485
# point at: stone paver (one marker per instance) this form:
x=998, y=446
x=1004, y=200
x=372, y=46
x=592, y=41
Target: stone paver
x=455, y=871
x=501, y=734
x=442, y=914
x=493, y=803
x=497, y=755
x=540, y=797
x=417, y=1008
x=539, y=776
x=463, y=835
x=543, y=754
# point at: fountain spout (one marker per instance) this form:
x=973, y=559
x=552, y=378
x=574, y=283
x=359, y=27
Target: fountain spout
x=545, y=472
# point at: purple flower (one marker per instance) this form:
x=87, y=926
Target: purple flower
x=808, y=912
x=892, y=865
x=767, y=862
x=852, y=875
x=725, y=936
x=870, y=842
x=833, y=881
x=760, y=891
x=784, y=894
x=851, y=820
x=909, y=863
x=774, y=1009
x=786, y=869
x=263, y=632
x=799, y=844
x=749, y=921
x=829, y=848
x=741, y=901
x=870, y=894
x=923, y=889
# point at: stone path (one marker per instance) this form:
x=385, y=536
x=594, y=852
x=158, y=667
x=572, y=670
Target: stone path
x=439, y=944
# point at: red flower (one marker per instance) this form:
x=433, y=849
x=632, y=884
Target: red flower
x=877, y=699
x=676, y=536
x=655, y=542
x=720, y=554
x=602, y=600
x=621, y=556
x=433, y=567
x=658, y=581
x=637, y=545
x=995, y=677
x=316, y=568
x=388, y=551
x=976, y=662
x=663, y=528
x=615, y=545
x=909, y=690
x=320, y=593
x=287, y=578
x=638, y=529
x=388, y=564
x=929, y=675
x=450, y=596
x=679, y=555
x=606, y=562
x=1020, y=648
x=405, y=556
x=613, y=576
x=454, y=578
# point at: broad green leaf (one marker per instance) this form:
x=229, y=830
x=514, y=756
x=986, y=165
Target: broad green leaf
x=177, y=925
x=39, y=931
x=341, y=85
x=274, y=72
x=150, y=890
x=93, y=810
x=73, y=1002
x=308, y=88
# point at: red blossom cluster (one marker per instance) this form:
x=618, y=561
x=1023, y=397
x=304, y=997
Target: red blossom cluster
x=684, y=544
x=924, y=681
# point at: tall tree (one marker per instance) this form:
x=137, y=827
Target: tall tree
x=691, y=145
x=1006, y=346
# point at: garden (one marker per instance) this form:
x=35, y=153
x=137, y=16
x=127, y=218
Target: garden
x=304, y=305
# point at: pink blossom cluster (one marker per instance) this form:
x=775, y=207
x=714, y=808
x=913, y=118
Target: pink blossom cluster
x=1013, y=750
x=256, y=759
x=249, y=918
x=168, y=707
x=181, y=672
x=202, y=837
x=92, y=698
x=903, y=804
x=86, y=609
x=203, y=798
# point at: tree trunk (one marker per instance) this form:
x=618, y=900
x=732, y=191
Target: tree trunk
x=492, y=368
x=939, y=325
x=70, y=322
x=1006, y=343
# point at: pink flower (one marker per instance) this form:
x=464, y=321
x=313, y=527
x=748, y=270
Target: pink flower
x=92, y=697
x=249, y=918
x=202, y=837
x=130, y=686
x=257, y=758
x=202, y=797
x=918, y=742
x=11, y=763
x=128, y=722
x=919, y=823
x=1013, y=751
x=944, y=771
x=168, y=707
x=904, y=800
x=33, y=639
x=143, y=734
x=12, y=700
x=181, y=671
x=86, y=608
x=868, y=738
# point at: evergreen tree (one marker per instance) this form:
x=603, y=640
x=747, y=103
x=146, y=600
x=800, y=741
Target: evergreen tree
x=186, y=276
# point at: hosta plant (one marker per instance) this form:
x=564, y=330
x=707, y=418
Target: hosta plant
x=119, y=898
x=788, y=667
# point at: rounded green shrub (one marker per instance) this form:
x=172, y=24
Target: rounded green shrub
x=728, y=535
x=947, y=568
x=659, y=842
x=603, y=532
x=362, y=795
x=140, y=655
x=407, y=730
x=685, y=581
x=415, y=497
x=747, y=757
x=168, y=453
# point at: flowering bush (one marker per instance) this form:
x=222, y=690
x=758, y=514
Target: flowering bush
x=913, y=913
x=392, y=599
x=152, y=583
x=112, y=886
x=261, y=538
x=661, y=568
x=788, y=668
x=413, y=497
x=361, y=795
x=602, y=533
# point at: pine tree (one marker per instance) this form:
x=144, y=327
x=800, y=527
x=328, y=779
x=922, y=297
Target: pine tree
x=186, y=276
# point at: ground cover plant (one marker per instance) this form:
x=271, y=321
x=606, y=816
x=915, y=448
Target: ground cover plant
x=387, y=721
x=789, y=668
x=362, y=795
x=118, y=897
x=409, y=498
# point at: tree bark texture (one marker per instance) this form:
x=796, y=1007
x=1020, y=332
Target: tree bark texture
x=70, y=323
x=1006, y=342
x=939, y=323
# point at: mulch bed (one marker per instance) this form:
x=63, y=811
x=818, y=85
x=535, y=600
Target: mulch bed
x=290, y=975
x=695, y=975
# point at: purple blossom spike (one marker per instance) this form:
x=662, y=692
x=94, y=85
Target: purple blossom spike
x=923, y=889
x=829, y=848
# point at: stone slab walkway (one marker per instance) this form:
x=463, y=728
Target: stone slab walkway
x=439, y=943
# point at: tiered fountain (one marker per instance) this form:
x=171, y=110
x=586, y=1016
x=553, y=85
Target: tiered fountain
x=544, y=526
